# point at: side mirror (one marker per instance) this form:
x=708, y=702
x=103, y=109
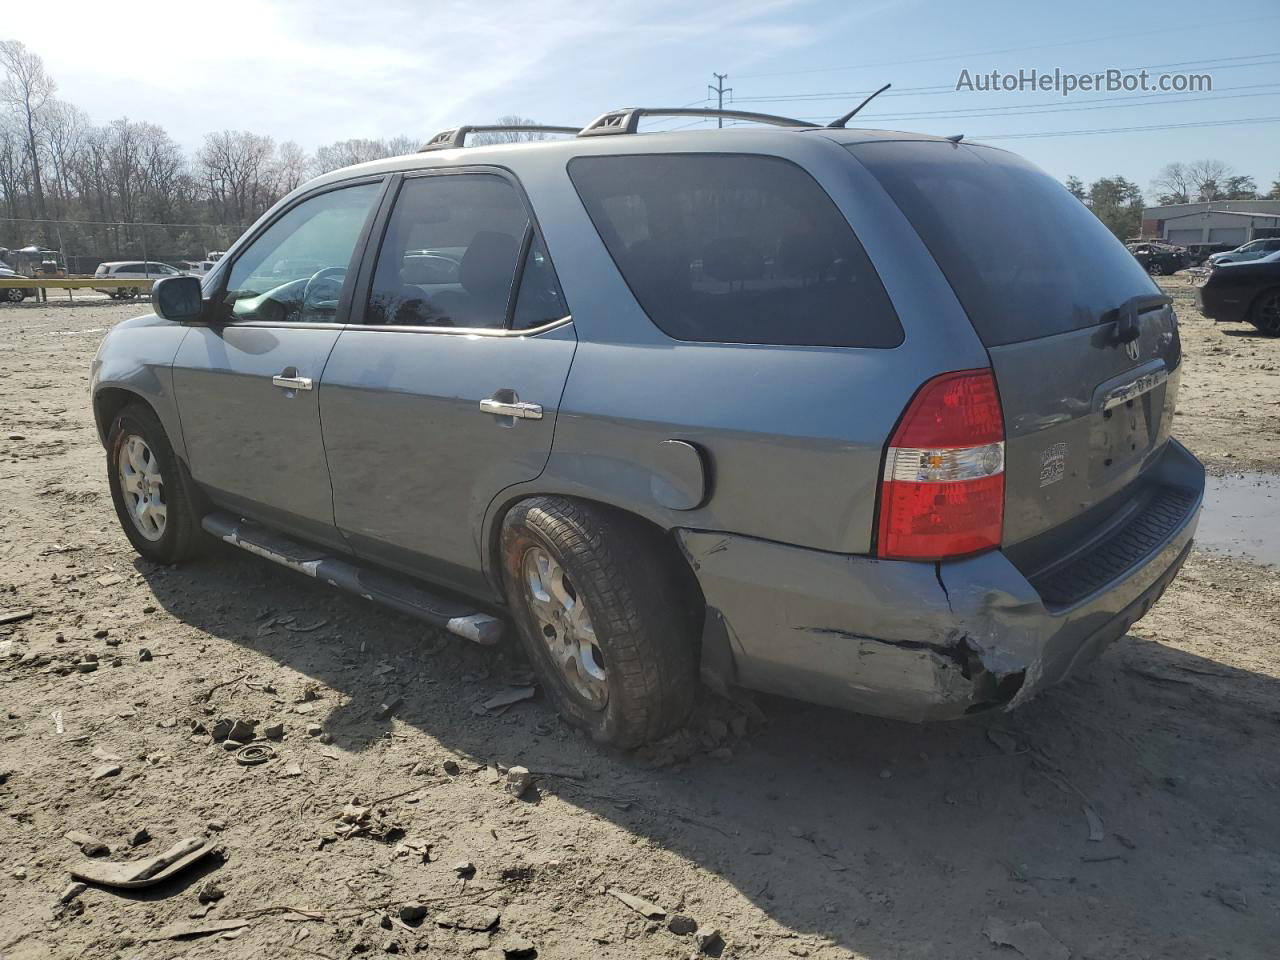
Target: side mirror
x=178, y=299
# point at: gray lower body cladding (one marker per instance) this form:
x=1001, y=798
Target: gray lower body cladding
x=922, y=641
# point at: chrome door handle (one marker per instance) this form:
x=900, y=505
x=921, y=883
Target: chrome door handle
x=291, y=383
x=522, y=411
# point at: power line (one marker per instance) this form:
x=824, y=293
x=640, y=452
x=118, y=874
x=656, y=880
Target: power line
x=1129, y=103
x=1218, y=63
x=1158, y=126
x=984, y=53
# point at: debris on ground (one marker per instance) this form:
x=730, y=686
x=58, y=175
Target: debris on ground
x=139, y=837
x=519, y=780
x=209, y=892
x=473, y=918
x=189, y=931
x=15, y=616
x=500, y=703
x=106, y=770
x=386, y=710
x=146, y=872
x=1028, y=937
x=413, y=913
x=641, y=906
x=709, y=940
x=89, y=845
x=681, y=925
x=362, y=821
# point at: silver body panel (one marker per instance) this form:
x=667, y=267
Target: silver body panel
x=773, y=475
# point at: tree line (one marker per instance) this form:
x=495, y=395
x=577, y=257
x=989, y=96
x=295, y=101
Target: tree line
x=1118, y=202
x=57, y=165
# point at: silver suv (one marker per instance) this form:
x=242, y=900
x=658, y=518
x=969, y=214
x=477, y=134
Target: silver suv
x=870, y=419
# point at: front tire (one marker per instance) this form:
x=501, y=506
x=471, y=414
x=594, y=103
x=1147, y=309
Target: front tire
x=149, y=489
x=601, y=617
x=1265, y=312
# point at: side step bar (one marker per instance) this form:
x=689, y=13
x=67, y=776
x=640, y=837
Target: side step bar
x=381, y=588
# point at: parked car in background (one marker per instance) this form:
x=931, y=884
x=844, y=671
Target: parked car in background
x=1247, y=292
x=132, y=270
x=1198, y=253
x=13, y=294
x=901, y=443
x=196, y=268
x=1159, y=259
x=1252, y=250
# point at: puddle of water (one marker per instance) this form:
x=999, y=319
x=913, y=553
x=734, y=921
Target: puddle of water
x=1241, y=516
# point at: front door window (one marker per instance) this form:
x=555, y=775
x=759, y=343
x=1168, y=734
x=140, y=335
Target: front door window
x=296, y=270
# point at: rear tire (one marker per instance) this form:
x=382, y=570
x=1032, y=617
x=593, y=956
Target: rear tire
x=1265, y=312
x=150, y=489
x=601, y=617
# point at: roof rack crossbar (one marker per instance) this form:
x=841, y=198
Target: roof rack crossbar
x=627, y=120
x=455, y=137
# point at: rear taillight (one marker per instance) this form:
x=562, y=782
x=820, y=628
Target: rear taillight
x=942, y=494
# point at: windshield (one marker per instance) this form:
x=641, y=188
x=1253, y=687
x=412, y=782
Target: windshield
x=1026, y=258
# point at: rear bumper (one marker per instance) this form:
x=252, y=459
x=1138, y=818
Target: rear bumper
x=921, y=641
x=1213, y=305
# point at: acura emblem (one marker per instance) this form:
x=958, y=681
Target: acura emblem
x=1131, y=348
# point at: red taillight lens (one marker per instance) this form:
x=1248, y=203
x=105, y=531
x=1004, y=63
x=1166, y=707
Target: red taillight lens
x=942, y=494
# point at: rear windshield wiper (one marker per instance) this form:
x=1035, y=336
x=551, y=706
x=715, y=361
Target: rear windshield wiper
x=1126, y=315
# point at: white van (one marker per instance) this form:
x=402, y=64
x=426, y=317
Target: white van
x=131, y=270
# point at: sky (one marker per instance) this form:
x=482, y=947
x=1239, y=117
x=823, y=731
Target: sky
x=315, y=72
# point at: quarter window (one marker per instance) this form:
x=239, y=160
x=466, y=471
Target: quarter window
x=295, y=271
x=735, y=249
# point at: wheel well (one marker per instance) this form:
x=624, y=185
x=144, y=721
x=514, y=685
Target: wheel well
x=663, y=543
x=1266, y=292
x=108, y=402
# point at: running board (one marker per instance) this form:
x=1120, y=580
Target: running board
x=390, y=591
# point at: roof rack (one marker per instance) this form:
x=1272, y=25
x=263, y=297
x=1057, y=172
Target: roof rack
x=627, y=120
x=448, y=139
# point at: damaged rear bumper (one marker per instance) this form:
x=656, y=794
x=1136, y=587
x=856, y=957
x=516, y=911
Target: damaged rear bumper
x=928, y=641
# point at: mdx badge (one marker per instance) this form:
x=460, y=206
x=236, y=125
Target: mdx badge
x=1053, y=464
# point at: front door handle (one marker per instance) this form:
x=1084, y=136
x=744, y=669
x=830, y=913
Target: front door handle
x=522, y=411
x=288, y=379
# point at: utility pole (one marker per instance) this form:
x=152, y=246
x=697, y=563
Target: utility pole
x=719, y=90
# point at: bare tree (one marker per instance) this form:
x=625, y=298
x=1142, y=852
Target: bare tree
x=25, y=91
x=1173, y=184
x=1207, y=177
x=237, y=170
x=292, y=166
x=346, y=153
x=512, y=136
x=65, y=126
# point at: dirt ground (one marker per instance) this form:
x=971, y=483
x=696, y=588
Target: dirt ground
x=795, y=831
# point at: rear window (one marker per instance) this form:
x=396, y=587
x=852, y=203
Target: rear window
x=1024, y=256
x=735, y=249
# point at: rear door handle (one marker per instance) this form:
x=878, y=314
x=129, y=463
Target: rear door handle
x=522, y=411
x=288, y=379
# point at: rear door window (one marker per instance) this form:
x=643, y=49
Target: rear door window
x=735, y=249
x=1026, y=258
x=450, y=253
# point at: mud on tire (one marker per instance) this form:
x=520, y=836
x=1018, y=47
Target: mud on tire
x=645, y=640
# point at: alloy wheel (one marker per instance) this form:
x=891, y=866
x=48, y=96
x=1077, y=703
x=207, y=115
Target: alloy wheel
x=564, y=625
x=142, y=486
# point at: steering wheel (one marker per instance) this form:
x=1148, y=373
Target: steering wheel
x=318, y=287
